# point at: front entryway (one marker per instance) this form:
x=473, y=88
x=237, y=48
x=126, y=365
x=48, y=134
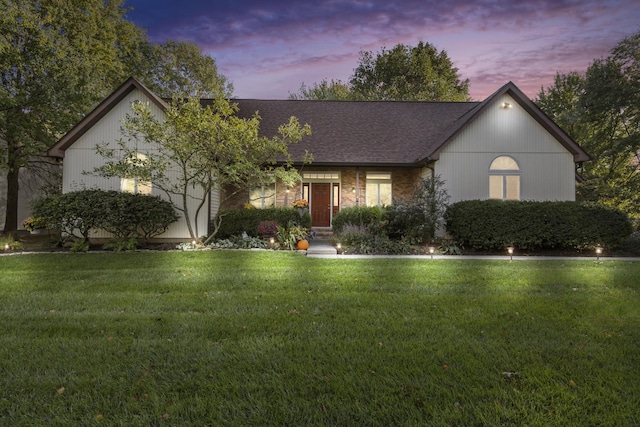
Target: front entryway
x=320, y=204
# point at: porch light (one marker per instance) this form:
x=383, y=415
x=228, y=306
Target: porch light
x=353, y=190
x=510, y=250
x=431, y=251
x=598, y=252
x=506, y=105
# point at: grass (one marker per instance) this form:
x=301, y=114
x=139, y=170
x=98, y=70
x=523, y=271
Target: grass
x=273, y=338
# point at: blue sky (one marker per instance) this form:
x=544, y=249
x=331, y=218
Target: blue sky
x=268, y=48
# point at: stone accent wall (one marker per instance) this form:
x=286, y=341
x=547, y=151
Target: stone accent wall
x=403, y=182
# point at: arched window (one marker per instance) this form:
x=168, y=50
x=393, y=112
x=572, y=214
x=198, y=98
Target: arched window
x=135, y=185
x=504, y=179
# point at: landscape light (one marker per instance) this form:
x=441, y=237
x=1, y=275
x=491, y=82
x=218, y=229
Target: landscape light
x=431, y=251
x=6, y=246
x=338, y=246
x=510, y=250
x=598, y=252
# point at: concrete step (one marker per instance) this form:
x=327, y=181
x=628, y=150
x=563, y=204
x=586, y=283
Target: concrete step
x=322, y=233
x=321, y=248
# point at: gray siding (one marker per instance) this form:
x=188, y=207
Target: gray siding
x=547, y=169
x=81, y=159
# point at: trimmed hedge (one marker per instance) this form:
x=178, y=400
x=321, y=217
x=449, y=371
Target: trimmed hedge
x=357, y=215
x=125, y=215
x=495, y=224
x=237, y=221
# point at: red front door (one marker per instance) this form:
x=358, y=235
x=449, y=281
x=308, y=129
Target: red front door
x=320, y=204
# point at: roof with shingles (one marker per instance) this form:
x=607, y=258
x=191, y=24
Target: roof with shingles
x=354, y=132
x=360, y=132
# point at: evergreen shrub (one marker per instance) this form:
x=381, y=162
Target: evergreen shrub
x=236, y=221
x=127, y=216
x=362, y=216
x=495, y=224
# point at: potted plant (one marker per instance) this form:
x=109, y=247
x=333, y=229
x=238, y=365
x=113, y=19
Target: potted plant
x=302, y=205
x=34, y=225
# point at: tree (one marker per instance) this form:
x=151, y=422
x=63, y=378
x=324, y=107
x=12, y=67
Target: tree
x=58, y=59
x=200, y=147
x=561, y=102
x=404, y=73
x=180, y=68
x=335, y=90
x=601, y=110
x=408, y=73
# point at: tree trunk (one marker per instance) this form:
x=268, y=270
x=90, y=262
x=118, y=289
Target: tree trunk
x=11, y=212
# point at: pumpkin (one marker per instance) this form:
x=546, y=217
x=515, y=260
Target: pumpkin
x=303, y=245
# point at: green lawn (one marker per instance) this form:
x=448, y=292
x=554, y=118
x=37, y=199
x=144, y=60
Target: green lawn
x=274, y=338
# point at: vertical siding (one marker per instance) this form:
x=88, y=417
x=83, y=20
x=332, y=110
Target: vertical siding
x=547, y=167
x=81, y=159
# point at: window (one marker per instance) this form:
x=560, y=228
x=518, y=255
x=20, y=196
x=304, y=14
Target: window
x=504, y=179
x=329, y=176
x=263, y=196
x=134, y=184
x=378, y=188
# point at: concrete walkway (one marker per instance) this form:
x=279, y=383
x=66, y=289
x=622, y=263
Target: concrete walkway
x=319, y=248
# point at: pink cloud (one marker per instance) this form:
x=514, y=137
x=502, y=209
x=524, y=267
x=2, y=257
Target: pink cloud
x=268, y=51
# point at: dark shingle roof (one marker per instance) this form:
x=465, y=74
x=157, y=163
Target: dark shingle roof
x=367, y=132
x=354, y=132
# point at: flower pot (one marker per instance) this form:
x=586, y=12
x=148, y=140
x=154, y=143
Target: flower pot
x=303, y=245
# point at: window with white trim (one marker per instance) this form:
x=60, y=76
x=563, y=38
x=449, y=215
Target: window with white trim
x=135, y=184
x=504, y=179
x=263, y=196
x=378, y=190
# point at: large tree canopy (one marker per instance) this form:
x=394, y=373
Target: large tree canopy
x=59, y=59
x=403, y=73
x=601, y=111
x=180, y=68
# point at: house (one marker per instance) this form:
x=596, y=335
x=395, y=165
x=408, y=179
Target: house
x=369, y=152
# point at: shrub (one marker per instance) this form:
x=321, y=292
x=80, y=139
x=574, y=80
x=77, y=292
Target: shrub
x=74, y=214
x=418, y=219
x=494, y=224
x=358, y=215
x=153, y=215
x=236, y=221
x=8, y=242
x=127, y=216
x=267, y=228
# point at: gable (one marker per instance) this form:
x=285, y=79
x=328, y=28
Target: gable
x=504, y=130
x=514, y=98
x=81, y=157
x=95, y=116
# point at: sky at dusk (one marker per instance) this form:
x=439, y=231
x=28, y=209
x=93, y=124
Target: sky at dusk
x=268, y=48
